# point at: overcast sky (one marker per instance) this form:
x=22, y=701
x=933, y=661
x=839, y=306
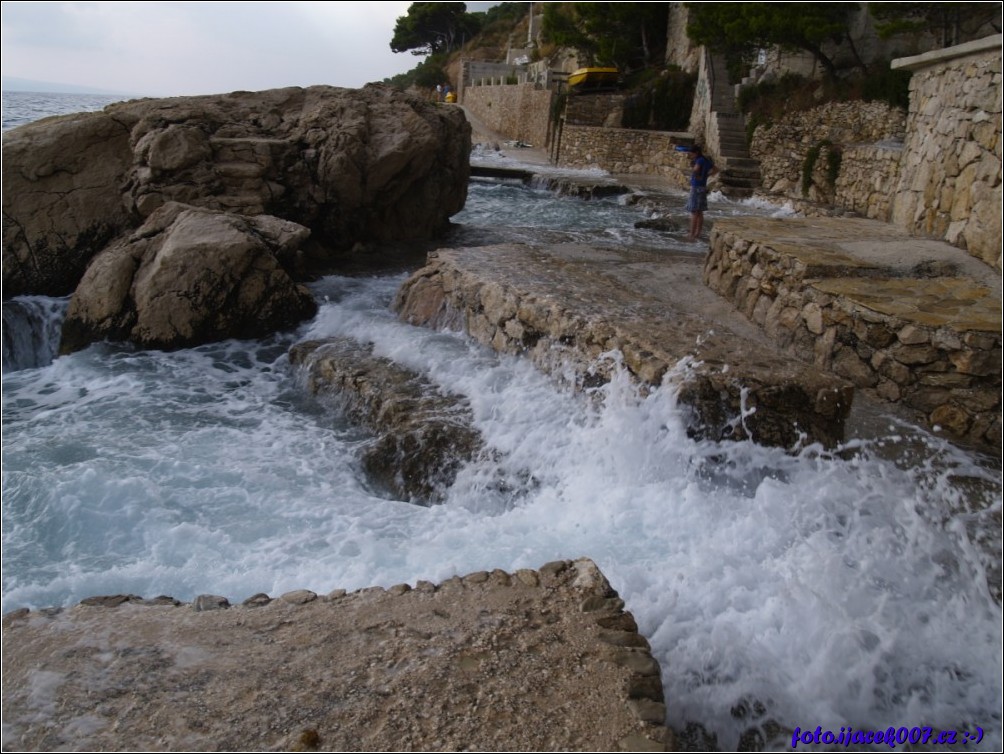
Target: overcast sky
x=177, y=48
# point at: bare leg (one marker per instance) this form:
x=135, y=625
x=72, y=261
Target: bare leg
x=696, y=225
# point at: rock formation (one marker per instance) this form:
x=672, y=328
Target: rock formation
x=423, y=436
x=352, y=166
x=189, y=276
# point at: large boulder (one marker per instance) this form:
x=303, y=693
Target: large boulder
x=353, y=165
x=189, y=276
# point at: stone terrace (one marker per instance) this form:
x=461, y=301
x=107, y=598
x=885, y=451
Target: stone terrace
x=569, y=307
x=916, y=321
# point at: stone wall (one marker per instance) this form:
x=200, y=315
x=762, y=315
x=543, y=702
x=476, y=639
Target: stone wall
x=923, y=335
x=602, y=109
x=869, y=174
x=950, y=180
x=782, y=148
x=700, y=111
x=624, y=150
x=518, y=111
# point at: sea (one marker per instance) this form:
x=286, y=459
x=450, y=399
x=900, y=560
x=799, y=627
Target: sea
x=844, y=589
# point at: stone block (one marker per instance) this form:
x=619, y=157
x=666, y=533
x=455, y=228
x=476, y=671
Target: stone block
x=979, y=363
x=952, y=418
x=847, y=364
x=914, y=355
x=912, y=335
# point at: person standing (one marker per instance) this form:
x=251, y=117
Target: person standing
x=702, y=168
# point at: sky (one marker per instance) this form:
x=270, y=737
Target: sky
x=180, y=48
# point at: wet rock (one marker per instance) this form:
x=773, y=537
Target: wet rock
x=424, y=435
x=189, y=276
x=663, y=224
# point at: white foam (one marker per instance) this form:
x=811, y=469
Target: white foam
x=832, y=590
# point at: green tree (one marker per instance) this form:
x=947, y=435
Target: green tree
x=740, y=29
x=431, y=28
x=626, y=35
x=952, y=23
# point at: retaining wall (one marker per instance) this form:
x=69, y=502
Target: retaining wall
x=902, y=320
x=782, y=149
x=518, y=111
x=625, y=151
x=950, y=178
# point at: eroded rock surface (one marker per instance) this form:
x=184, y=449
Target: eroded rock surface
x=353, y=166
x=424, y=435
x=543, y=660
x=189, y=276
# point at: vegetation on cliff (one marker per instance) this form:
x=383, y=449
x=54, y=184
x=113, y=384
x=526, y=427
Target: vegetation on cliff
x=626, y=35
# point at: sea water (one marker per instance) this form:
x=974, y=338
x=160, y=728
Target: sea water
x=826, y=589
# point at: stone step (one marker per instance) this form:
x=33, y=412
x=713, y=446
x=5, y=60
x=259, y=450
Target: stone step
x=247, y=204
x=737, y=192
x=734, y=147
x=242, y=170
x=737, y=182
x=742, y=174
x=742, y=163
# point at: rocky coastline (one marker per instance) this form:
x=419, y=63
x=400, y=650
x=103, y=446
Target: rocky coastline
x=544, y=659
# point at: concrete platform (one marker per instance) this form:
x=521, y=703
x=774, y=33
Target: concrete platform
x=532, y=661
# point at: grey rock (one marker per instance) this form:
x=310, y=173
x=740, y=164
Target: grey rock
x=189, y=276
x=354, y=166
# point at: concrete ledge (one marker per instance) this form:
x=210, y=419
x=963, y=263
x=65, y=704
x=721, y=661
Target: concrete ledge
x=571, y=308
x=531, y=661
x=916, y=62
x=916, y=321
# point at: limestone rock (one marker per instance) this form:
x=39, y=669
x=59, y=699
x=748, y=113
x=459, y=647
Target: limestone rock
x=424, y=436
x=61, y=199
x=189, y=276
x=353, y=166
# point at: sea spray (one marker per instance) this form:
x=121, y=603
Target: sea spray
x=820, y=588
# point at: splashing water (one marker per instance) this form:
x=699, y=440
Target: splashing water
x=822, y=588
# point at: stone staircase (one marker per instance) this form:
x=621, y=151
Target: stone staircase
x=740, y=174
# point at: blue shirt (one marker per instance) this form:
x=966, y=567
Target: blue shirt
x=699, y=178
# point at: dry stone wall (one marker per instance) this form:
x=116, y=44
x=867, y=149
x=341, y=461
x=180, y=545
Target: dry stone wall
x=782, y=148
x=950, y=180
x=869, y=174
x=518, y=111
x=915, y=330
